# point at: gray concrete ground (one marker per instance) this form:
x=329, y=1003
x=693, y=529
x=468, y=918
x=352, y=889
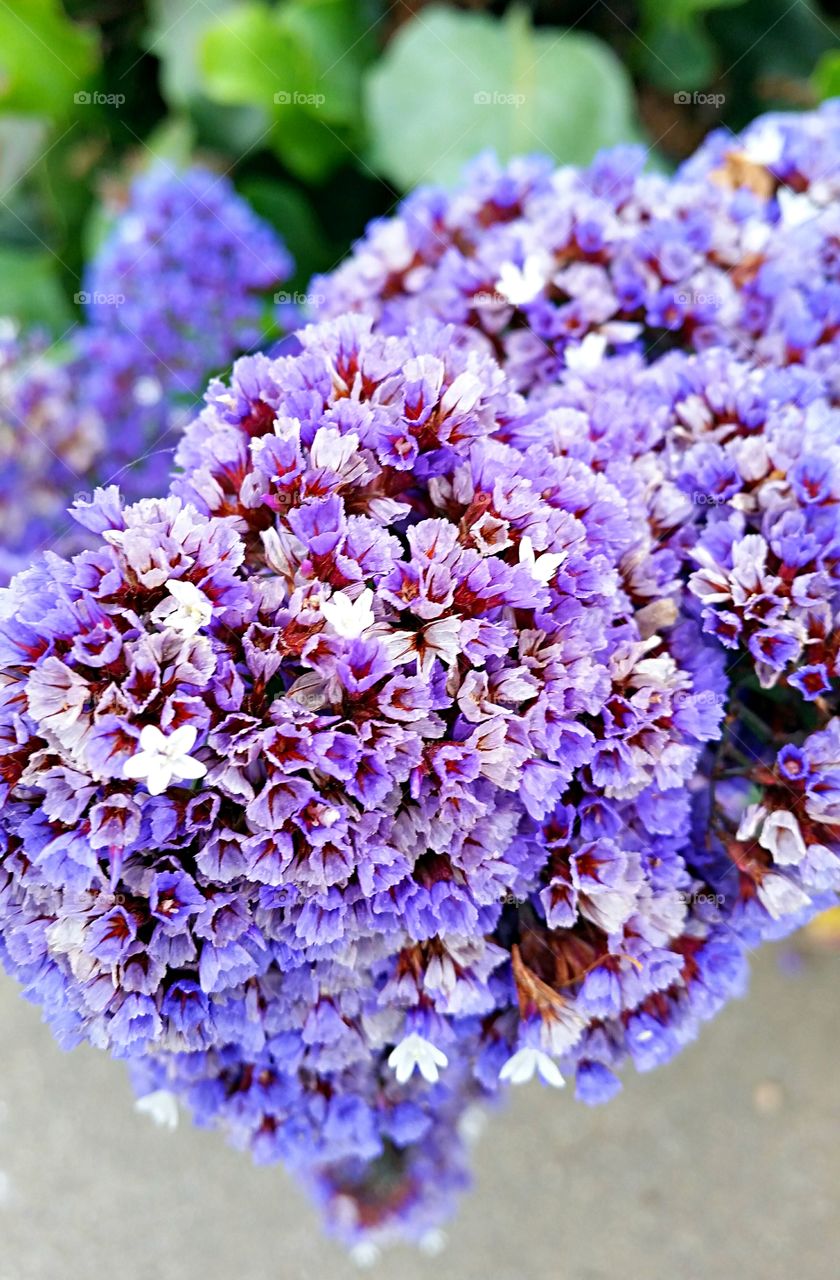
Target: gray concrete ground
x=723, y=1166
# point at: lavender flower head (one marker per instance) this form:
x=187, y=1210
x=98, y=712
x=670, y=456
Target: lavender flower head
x=50, y=441
x=552, y=268
x=358, y=763
x=175, y=291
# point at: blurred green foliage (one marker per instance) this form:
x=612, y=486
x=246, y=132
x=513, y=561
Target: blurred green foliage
x=44, y=58
x=325, y=111
x=459, y=83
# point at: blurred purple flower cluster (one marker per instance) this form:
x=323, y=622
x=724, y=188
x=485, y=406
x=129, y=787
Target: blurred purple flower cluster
x=467, y=710
x=176, y=290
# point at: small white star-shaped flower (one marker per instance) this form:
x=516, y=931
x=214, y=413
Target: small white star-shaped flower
x=542, y=567
x=349, y=618
x=417, y=1053
x=587, y=355
x=766, y=146
x=520, y=1068
x=162, y=758
x=522, y=284
x=147, y=391
x=795, y=207
x=187, y=610
x=162, y=1106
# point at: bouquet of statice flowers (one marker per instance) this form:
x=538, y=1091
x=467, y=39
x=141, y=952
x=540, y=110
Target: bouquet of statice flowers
x=466, y=709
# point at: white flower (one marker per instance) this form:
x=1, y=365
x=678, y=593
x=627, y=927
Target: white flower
x=750, y=822
x=542, y=567
x=520, y=1068
x=471, y=1125
x=587, y=355
x=132, y=228
x=766, y=145
x=336, y=452
x=438, y=639
x=462, y=395
x=162, y=1106
x=781, y=896
x=147, y=391
x=349, y=618
x=782, y=837
x=522, y=284
x=795, y=207
x=433, y=1242
x=162, y=758
x=186, y=611
x=365, y=1254
x=414, y=1052
x=754, y=236
x=393, y=243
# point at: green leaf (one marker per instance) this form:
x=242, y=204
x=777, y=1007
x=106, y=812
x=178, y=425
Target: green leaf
x=337, y=47
x=45, y=59
x=310, y=148
x=303, y=53
x=676, y=53
x=826, y=78
x=174, y=36
x=767, y=38
x=299, y=63
x=678, y=10
x=452, y=83
x=30, y=289
x=245, y=57
x=22, y=141
x=173, y=141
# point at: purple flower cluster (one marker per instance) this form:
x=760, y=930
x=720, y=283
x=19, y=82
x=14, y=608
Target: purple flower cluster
x=50, y=439
x=468, y=708
x=741, y=473
x=738, y=249
x=370, y=694
x=176, y=290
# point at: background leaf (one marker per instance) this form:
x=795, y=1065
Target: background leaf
x=174, y=35
x=22, y=141
x=827, y=75
x=30, y=289
x=460, y=82
x=299, y=63
x=45, y=59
